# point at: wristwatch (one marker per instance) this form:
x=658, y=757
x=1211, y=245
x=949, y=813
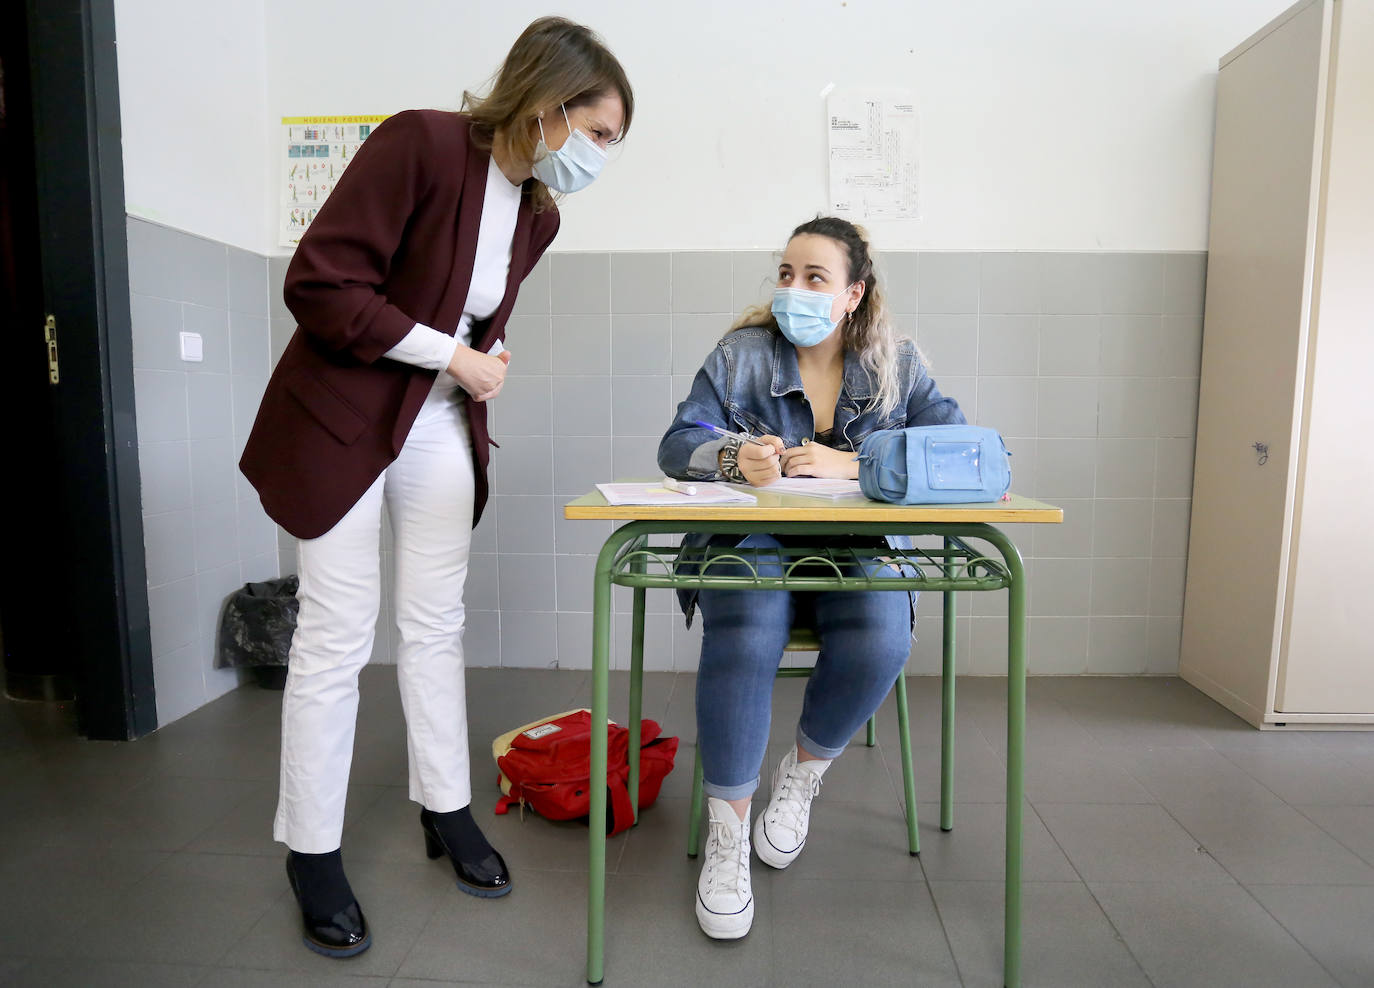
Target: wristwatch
x=729, y=462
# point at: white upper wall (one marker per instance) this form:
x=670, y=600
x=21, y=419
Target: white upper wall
x=1061, y=125
x=193, y=110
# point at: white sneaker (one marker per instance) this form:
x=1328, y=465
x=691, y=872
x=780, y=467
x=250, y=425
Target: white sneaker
x=725, y=899
x=780, y=831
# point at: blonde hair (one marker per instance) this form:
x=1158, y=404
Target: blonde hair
x=869, y=330
x=553, y=61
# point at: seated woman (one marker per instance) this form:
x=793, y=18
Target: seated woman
x=811, y=377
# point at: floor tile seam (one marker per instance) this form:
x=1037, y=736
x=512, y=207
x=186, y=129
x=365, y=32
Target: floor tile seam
x=1140, y=781
x=944, y=929
x=896, y=783
x=130, y=887
x=991, y=742
x=1309, y=885
x=260, y=965
x=1332, y=837
x=233, y=807
x=1225, y=882
x=66, y=841
x=232, y=942
x=614, y=867
x=883, y=880
x=771, y=911
x=1057, y=843
x=1231, y=878
x=1001, y=882
x=1304, y=885
x=1184, y=804
x=885, y=801
x=210, y=852
x=1293, y=936
x=203, y=970
x=460, y=981
x=1202, y=846
x=420, y=930
x=1034, y=801
x=217, y=777
x=1116, y=932
x=1260, y=782
x=583, y=678
x=361, y=810
x=1316, y=823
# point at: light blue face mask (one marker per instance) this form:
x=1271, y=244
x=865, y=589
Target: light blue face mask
x=804, y=316
x=573, y=166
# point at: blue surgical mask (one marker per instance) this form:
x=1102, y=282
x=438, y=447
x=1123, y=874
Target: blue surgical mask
x=804, y=316
x=573, y=166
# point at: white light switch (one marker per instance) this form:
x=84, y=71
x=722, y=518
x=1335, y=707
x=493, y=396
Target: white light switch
x=191, y=347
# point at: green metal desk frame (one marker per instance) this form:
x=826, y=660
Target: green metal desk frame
x=627, y=559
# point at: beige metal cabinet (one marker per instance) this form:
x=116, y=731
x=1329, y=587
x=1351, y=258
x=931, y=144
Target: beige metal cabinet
x=1278, y=620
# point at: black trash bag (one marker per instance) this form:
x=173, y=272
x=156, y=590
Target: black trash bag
x=255, y=629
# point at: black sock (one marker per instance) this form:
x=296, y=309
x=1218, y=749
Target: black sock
x=462, y=835
x=321, y=883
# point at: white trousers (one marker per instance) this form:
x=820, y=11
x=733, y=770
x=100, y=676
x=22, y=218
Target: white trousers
x=428, y=492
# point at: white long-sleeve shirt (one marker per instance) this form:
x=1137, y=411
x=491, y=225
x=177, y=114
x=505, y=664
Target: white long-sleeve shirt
x=433, y=349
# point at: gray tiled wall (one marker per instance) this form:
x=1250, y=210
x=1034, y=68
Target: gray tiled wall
x=1087, y=363
x=204, y=531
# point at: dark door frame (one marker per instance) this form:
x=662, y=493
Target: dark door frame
x=84, y=256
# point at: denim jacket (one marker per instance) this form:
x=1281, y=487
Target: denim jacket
x=751, y=383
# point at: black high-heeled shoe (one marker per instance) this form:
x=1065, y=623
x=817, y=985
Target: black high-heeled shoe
x=342, y=934
x=487, y=878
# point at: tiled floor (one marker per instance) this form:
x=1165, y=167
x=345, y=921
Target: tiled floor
x=1167, y=843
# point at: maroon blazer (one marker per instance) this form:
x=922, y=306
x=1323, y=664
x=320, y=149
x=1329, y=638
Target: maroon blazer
x=393, y=245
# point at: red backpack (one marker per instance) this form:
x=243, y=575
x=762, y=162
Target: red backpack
x=546, y=766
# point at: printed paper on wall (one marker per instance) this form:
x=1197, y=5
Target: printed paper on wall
x=316, y=150
x=872, y=138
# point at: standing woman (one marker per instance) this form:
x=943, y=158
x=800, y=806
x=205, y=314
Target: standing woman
x=401, y=289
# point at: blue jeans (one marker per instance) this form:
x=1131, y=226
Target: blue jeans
x=865, y=638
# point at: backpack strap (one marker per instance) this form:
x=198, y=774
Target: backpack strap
x=618, y=806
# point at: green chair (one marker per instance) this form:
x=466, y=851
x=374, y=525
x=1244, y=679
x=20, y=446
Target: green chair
x=804, y=639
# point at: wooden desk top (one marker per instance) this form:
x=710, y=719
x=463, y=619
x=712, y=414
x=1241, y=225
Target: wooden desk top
x=795, y=507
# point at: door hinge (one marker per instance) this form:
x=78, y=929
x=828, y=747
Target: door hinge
x=50, y=337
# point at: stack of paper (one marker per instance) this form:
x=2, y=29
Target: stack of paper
x=705, y=493
x=815, y=487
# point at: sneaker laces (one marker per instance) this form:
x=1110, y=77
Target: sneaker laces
x=727, y=869
x=791, y=808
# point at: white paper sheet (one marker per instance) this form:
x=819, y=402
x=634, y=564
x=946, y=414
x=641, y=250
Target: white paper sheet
x=873, y=153
x=706, y=493
x=815, y=487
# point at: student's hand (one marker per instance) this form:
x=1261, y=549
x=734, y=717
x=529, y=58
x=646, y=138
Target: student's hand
x=759, y=464
x=479, y=374
x=819, y=460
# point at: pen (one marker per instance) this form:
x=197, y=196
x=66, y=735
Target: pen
x=731, y=435
x=681, y=488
